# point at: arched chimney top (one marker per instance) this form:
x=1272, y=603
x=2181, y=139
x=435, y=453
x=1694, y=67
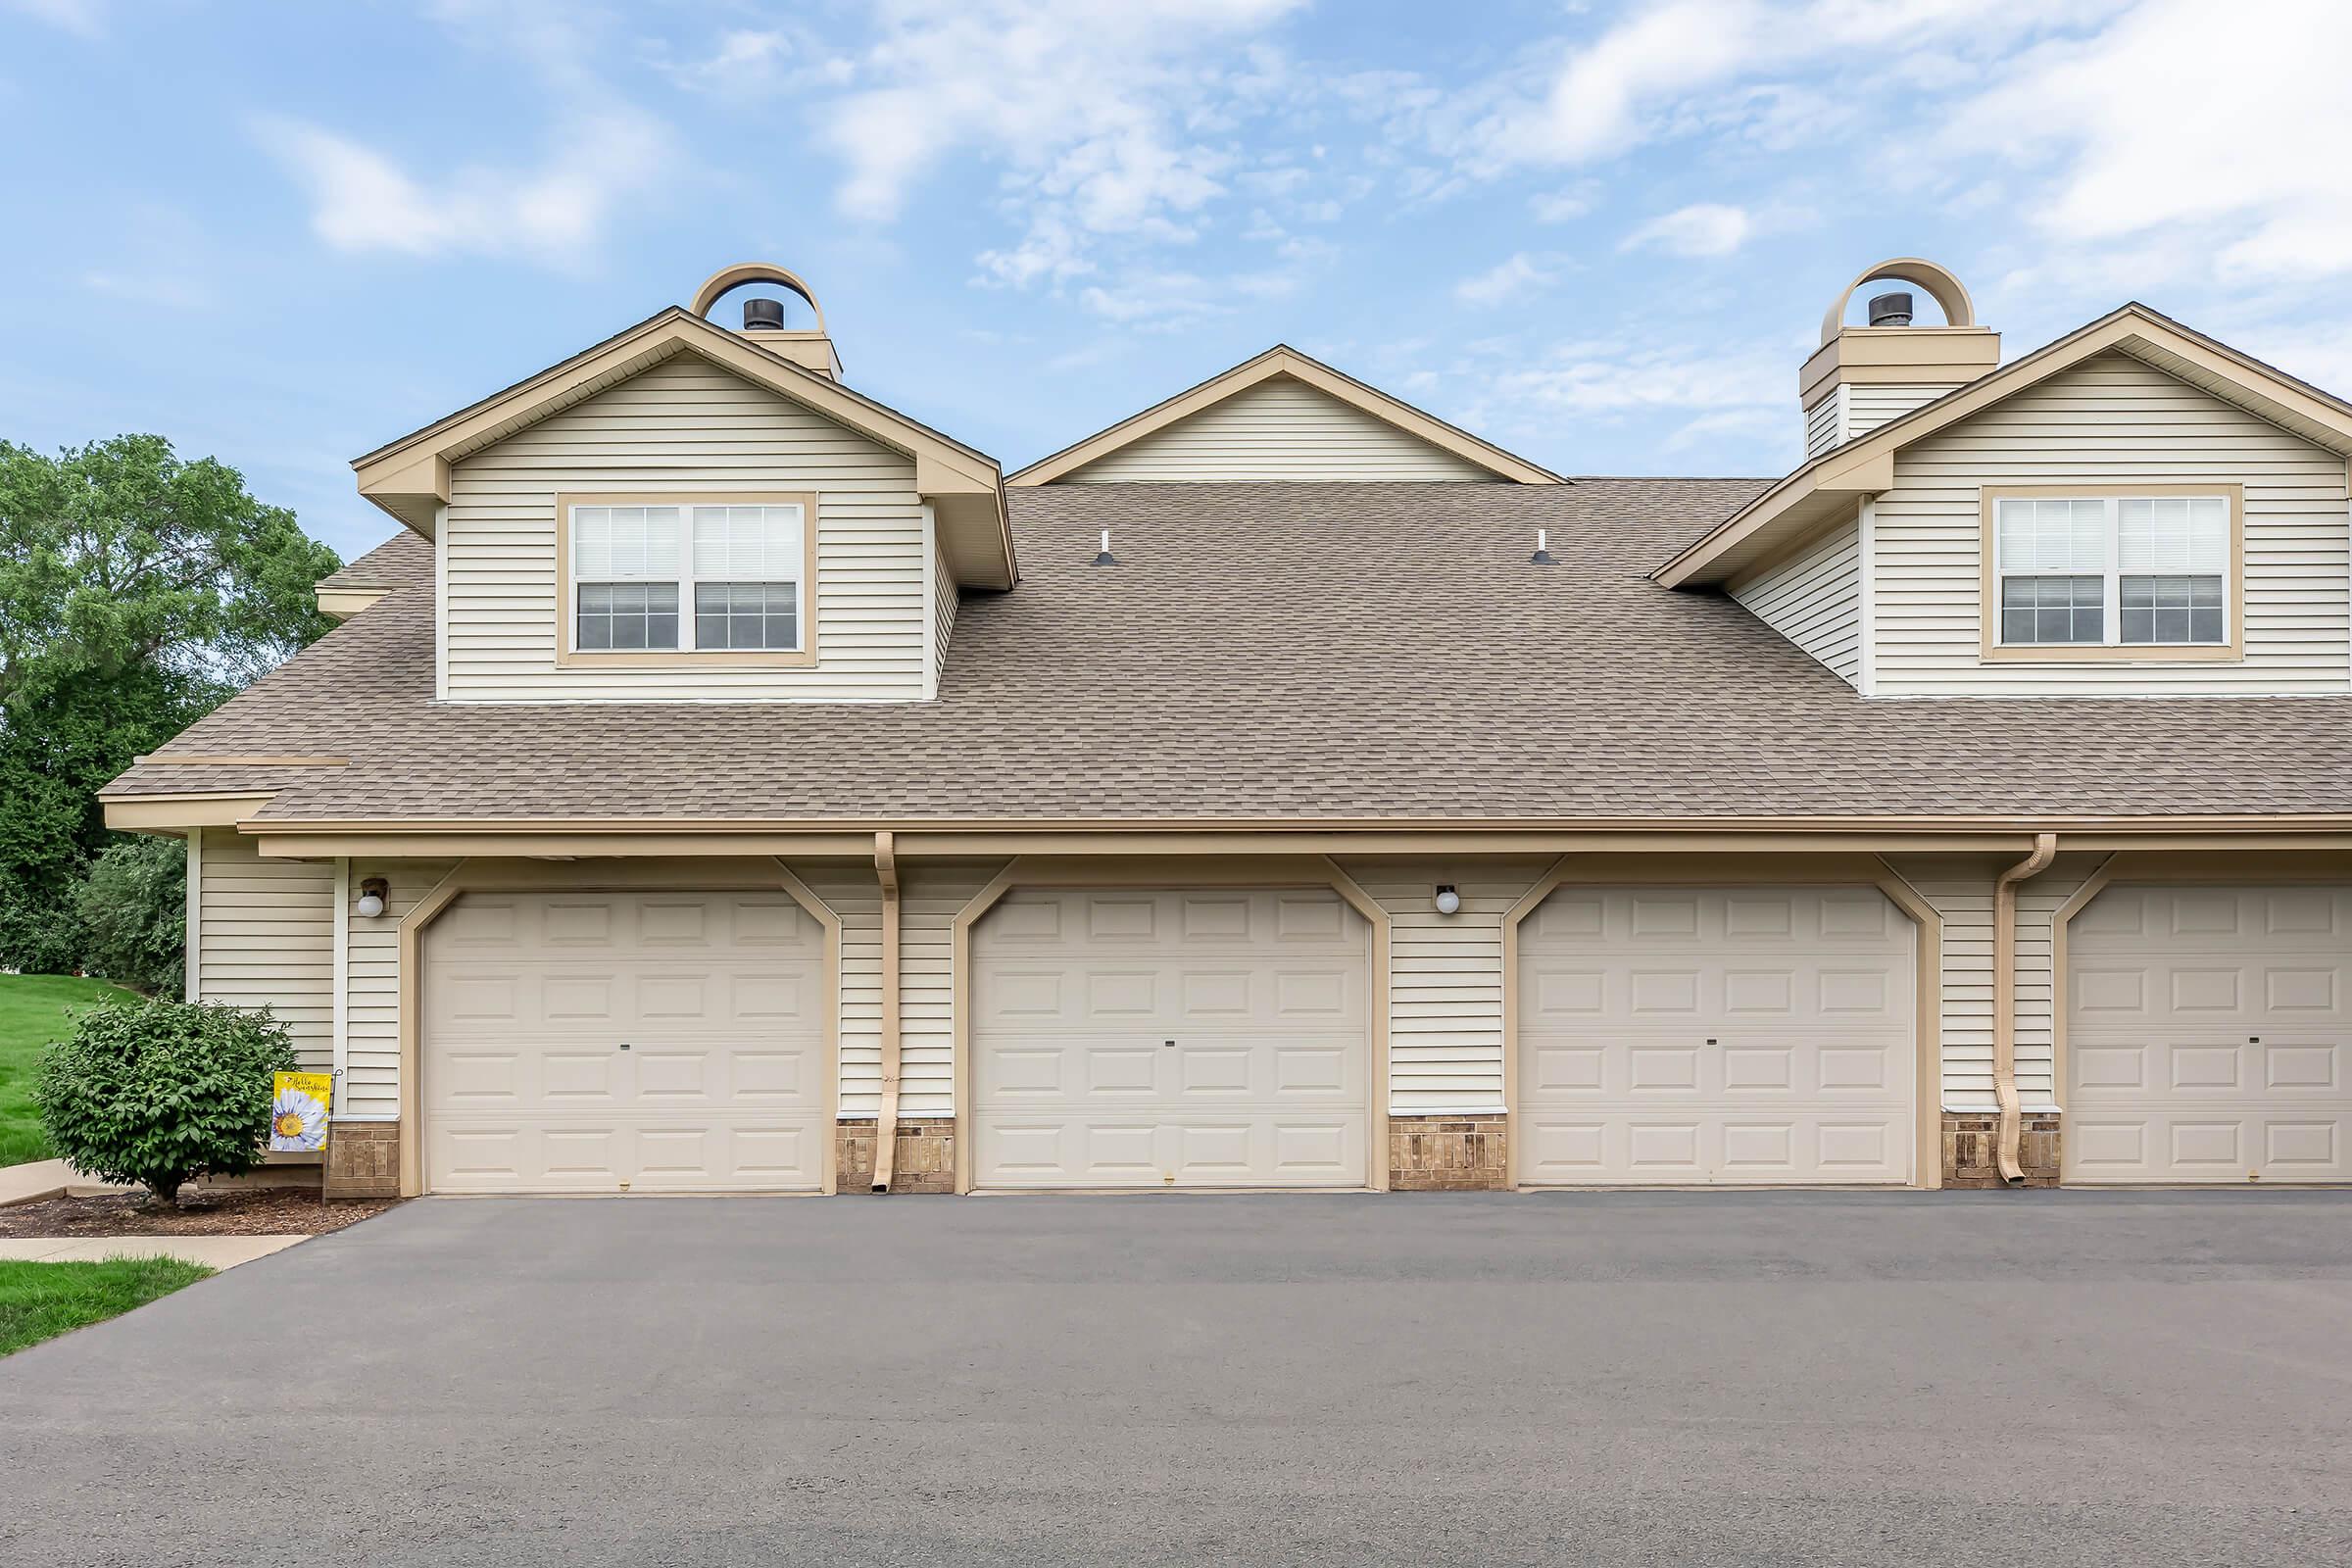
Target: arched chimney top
x=1942, y=286
x=729, y=278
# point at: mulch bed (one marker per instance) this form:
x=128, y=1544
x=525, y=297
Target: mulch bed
x=262, y=1212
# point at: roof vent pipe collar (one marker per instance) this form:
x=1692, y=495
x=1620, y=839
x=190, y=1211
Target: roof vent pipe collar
x=1104, y=558
x=1543, y=556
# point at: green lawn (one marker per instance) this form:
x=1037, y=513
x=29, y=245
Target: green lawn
x=34, y=1010
x=41, y=1300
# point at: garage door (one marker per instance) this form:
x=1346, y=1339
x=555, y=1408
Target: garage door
x=1170, y=1038
x=1689, y=1036
x=637, y=1042
x=2209, y=1036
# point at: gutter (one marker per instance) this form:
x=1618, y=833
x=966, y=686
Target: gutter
x=886, y=1116
x=2009, y=1131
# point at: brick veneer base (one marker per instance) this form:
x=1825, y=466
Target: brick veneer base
x=1447, y=1155
x=362, y=1159
x=924, y=1160
x=1968, y=1158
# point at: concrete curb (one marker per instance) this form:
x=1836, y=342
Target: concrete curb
x=212, y=1252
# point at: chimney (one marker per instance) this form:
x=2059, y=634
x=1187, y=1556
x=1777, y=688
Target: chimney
x=763, y=318
x=1863, y=376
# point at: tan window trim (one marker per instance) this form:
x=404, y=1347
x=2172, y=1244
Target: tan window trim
x=1993, y=652
x=567, y=626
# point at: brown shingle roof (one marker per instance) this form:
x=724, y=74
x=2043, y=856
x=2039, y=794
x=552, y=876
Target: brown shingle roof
x=405, y=558
x=1279, y=652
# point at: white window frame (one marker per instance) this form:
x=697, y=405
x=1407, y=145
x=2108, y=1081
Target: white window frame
x=2112, y=647
x=804, y=586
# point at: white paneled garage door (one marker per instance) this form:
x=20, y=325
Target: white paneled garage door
x=1703, y=1036
x=1170, y=1038
x=2209, y=1035
x=609, y=1042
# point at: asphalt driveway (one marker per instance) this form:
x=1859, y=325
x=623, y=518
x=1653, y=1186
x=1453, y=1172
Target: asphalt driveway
x=1620, y=1379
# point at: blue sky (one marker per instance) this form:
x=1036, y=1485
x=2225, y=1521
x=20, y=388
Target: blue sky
x=1602, y=235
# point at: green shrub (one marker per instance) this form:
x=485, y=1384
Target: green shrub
x=157, y=1092
x=135, y=909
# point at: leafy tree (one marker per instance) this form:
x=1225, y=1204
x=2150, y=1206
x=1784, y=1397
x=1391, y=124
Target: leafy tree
x=134, y=906
x=136, y=591
x=157, y=1092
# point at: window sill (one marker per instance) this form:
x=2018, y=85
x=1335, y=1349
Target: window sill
x=676, y=658
x=2153, y=655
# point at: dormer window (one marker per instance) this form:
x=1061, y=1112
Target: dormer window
x=2089, y=573
x=708, y=579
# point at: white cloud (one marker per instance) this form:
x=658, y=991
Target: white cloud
x=1703, y=228
x=2173, y=115
x=1607, y=379
x=84, y=17
x=361, y=200
x=1108, y=118
x=1666, y=70
x=603, y=150
x=1559, y=206
x=1514, y=278
x=750, y=62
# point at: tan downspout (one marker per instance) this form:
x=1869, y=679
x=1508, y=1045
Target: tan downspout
x=2010, y=1130
x=885, y=1117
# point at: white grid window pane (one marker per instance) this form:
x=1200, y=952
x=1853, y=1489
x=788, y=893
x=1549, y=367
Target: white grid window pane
x=2053, y=535
x=2173, y=533
x=625, y=543
x=627, y=616
x=747, y=614
x=759, y=544
x=2172, y=610
x=2054, y=611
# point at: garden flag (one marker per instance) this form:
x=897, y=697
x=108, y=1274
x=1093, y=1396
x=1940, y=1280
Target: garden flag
x=298, y=1103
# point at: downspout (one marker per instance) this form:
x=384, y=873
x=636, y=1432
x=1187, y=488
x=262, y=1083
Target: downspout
x=885, y=1117
x=2009, y=1132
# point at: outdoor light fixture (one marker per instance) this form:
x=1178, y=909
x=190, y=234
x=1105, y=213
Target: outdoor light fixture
x=1449, y=901
x=372, y=893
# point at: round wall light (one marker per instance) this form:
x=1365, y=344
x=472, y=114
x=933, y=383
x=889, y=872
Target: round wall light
x=372, y=892
x=1449, y=901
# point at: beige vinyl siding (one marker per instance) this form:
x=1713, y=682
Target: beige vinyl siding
x=1825, y=423
x=679, y=426
x=1814, y=599
x=1867, y=405
x=943, y=613
x=2113, y=418
x=266, y=938
x=372, y=1071
x=1445, y=979
x=1960, y=887
x=1280, y=428
x=930, y=895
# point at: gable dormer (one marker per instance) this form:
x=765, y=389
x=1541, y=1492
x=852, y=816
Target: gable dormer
x=1282, y=416
x=687, y=512
x=2133, y=510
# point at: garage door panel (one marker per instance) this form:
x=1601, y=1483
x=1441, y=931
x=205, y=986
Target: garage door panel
x=609, y=1042
x=1775, y=1044
x=2207, y=1040
x=1156, y=1037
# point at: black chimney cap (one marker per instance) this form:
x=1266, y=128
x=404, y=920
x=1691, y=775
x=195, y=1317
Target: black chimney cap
x=1890, y=310
x=763, y=315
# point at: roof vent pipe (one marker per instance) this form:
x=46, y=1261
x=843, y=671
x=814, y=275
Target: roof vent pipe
x=1543, y=556
x=1105, y=559
x=767, y=315
x=1890, y=310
